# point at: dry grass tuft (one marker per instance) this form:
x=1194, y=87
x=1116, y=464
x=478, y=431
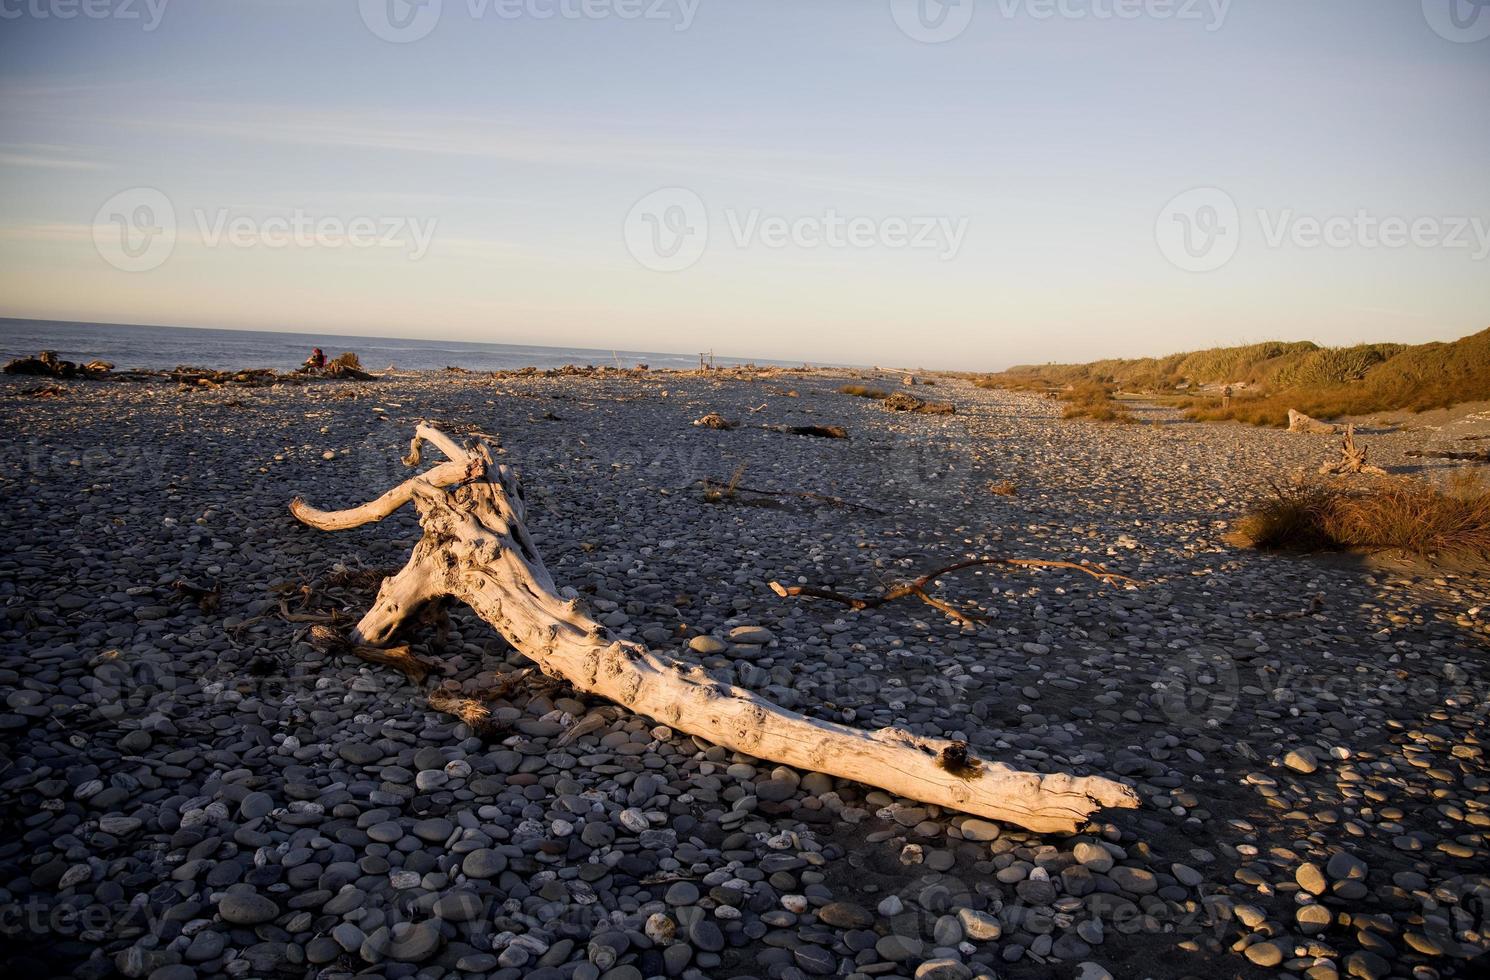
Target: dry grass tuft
x=862, y=392
x=347, y=360
x=1406, y=514
x=1092, y=400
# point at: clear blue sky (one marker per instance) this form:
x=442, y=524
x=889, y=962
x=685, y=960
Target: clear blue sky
x=521, y=144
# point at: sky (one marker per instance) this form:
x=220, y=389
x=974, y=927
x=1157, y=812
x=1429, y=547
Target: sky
x=906, y=182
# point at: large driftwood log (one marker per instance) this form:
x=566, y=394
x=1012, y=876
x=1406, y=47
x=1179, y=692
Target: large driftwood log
x=476, y=548
x=1299, y=422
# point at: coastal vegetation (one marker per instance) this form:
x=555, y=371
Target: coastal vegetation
x=1452, y=520
x=1270, y=378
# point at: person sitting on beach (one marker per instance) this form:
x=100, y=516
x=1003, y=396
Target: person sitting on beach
x=316, y=361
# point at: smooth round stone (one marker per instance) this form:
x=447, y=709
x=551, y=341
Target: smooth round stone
x=1310, y=878
x=681, y=893
x=1094, y=856
x=386, y=832
x=1186, y=875
x=815, y=960
x=174, y=972
x=1344, y=866
x=943, y=969
x=1266, y=953
x=979, y=926
x=255, y=805
x=415, y=943
x=458, y=907
x=358, y=753
x=980, y=830
x=751, y=635
x=704, y=934
x=246, y=908
x=898, y=948
x=846, y=915
x=1301, y=760
x=433, y=831
x=484, y=863
x=1312, y=919
x=1136, y=881
x=707, y=645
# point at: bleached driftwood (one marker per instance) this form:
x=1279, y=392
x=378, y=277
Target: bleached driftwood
x=476, y=548
x=1299, y=422
x=1352, y=458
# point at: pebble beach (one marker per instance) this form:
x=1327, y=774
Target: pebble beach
x=189, y=788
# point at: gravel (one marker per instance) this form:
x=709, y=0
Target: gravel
x=193, y=790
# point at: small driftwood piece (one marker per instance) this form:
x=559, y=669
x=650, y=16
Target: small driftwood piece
x=821, y=431
x=476, y=548
x=714, y=421
x=729, y=488
x=901, y=401
x=1352, y=458
x=1474, y=456
x=918, y=586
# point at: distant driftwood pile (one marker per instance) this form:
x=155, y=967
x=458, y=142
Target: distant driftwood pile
x=476, y=548
x=48, y=364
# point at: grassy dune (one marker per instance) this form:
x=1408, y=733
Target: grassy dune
x=1325, y=382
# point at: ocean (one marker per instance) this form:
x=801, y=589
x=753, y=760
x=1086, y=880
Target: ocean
x=136, y=346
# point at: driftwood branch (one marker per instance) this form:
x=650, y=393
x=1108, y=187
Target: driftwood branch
x=476, y=548
x=917, y=586
x=731, y=487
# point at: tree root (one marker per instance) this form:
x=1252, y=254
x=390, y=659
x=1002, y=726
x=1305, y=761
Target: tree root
x=917, y=586
x=399, y=657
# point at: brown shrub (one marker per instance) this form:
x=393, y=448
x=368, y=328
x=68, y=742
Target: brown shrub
x=862, y=392
x=1407, y=514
